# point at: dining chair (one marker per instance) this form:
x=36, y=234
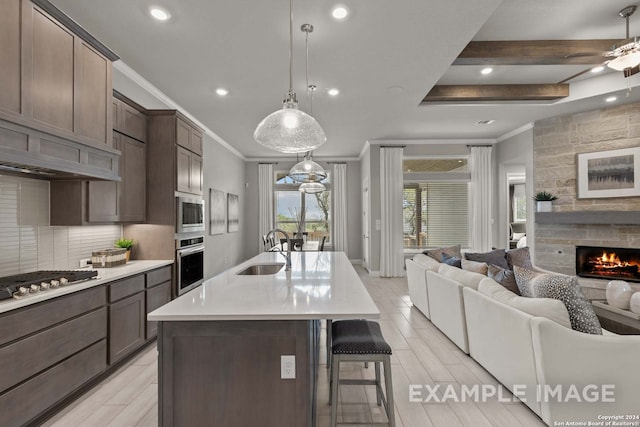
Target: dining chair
x=296, y=244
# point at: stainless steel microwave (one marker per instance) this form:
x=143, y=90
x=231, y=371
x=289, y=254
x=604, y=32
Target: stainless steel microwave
x=190, y=215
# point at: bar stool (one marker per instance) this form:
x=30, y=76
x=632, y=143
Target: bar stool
x=360, y=341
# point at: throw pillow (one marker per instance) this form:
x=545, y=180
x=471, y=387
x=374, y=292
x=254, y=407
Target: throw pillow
x=495, y=257
x=505, y=277
x=476, y=267
x=519, y=257
x=452, y=260
x=563, y=288
x=437, y=253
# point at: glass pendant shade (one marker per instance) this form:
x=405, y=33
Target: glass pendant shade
x=311, y=188
x=290, y=131
x=307, y=171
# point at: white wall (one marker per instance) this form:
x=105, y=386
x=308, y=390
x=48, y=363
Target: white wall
x=28, y=243
x=224, y=171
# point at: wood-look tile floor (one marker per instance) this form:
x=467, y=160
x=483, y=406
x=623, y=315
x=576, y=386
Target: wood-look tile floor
x=421, y=355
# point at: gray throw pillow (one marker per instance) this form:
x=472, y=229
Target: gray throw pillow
x=495, y=257
x=451, y=251
x=563, y=288
x=452, y=260
x=505, y=277
x=519, y=257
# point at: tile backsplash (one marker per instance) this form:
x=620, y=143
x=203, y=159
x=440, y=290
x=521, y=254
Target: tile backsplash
x=28, y=242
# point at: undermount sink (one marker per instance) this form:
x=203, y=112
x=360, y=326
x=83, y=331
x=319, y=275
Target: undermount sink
x=261, y=269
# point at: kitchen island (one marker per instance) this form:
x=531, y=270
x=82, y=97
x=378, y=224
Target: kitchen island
x=220, y=345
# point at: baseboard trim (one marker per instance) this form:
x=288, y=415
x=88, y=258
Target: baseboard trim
x=356, y=261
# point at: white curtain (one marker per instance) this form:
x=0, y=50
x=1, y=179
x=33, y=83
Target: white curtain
x=265, y=201
x=339, y=182
x=391, y=184
x=481, y=198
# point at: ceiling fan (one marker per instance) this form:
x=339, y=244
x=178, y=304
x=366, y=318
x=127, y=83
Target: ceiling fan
x=623, y=56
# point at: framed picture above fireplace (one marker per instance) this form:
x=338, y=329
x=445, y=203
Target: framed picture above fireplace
x=612, y=173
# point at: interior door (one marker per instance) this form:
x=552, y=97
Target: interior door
x=365, y=224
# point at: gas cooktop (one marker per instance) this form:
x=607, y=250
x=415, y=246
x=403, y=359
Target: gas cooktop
x=22, y=285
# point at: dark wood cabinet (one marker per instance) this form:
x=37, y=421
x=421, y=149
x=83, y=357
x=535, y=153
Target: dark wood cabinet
x=183, y=170
x=157, y=297
x=127, y=326
x=52, y=79
x=78, y=202
x=128, y=120
x=188, y=136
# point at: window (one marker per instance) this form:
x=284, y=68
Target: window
x=435, y=203
x=295, y=210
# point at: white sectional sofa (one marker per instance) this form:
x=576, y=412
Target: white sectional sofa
x=528, y=345
x=417, y=279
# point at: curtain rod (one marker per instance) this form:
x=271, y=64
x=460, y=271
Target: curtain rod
x=392, y=146
x=479, y=145
x=336, y=163
x=267, y=163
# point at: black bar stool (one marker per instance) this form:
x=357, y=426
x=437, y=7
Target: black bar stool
x=360, y=341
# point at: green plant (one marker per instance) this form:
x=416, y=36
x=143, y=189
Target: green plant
x=124, y=243
x=543, y=196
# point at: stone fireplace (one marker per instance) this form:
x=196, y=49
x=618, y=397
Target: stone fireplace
x=603, y=262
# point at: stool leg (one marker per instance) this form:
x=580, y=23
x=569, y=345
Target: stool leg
x=389, y=389
x=328, y=344
x=330, y=381
x=335, y=384
x=378, y=383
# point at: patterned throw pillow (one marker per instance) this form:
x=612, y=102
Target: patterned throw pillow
x=505, y=277
x=451, y=251
x=565, y=289
x=519, y=257
x=495, y=257
x=452, y=260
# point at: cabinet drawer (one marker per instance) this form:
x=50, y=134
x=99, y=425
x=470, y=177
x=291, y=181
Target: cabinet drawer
x=157, y=297
x=18, y=323
x=24, y=358
x=126, y=326
x=158, y=276
x=126, y=287
x=35, y=396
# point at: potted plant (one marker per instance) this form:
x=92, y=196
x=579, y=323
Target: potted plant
x=126, y=244
x=543, y=201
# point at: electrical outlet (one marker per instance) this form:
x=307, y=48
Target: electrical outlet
x=287, y=367
x=84, y=262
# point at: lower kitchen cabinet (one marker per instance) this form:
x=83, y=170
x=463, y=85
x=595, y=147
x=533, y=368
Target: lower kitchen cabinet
x=157, y=297
x=127, y=326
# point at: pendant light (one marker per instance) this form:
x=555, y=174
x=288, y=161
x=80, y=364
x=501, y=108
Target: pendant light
x=311, y=188
x=290, y=130
x=307, y=170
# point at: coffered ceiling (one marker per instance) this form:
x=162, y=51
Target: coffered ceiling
x=384, y=58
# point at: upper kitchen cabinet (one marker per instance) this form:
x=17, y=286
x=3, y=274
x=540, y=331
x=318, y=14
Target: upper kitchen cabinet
x=175, y=163
x=127, y=119
x=55, y=77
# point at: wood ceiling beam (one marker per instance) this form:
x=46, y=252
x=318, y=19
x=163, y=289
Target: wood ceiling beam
x=470, y=93
x=534, y=52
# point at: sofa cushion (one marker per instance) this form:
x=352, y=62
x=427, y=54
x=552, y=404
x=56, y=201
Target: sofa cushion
x=453, y=261
x=437, y=253
x=476, y=267
x=465, y=278
x=551, y=309
x=563, y=288
x=427, y=262
x=495, y=257
x=519, y=257
x=504, y=277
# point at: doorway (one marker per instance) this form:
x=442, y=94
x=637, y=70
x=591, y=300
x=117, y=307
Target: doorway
x=365, y=224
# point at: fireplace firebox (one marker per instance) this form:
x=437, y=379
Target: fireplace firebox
x=608, y=263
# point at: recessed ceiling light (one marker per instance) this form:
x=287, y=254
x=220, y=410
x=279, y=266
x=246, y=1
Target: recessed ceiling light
x=333, y=92
x=610, y=99
x=222, y=91
x=339, y=12
x=486, y=71
x=160, y=14
x=597, y=69
x=485, y=122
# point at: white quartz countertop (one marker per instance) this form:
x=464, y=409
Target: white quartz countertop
x=320, y=285
x=105, y=275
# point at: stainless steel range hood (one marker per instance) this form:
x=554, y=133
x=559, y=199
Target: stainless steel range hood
x=37, y=154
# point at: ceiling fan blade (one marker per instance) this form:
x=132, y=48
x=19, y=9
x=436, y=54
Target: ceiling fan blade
x=575, y=75
x=628, y=72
